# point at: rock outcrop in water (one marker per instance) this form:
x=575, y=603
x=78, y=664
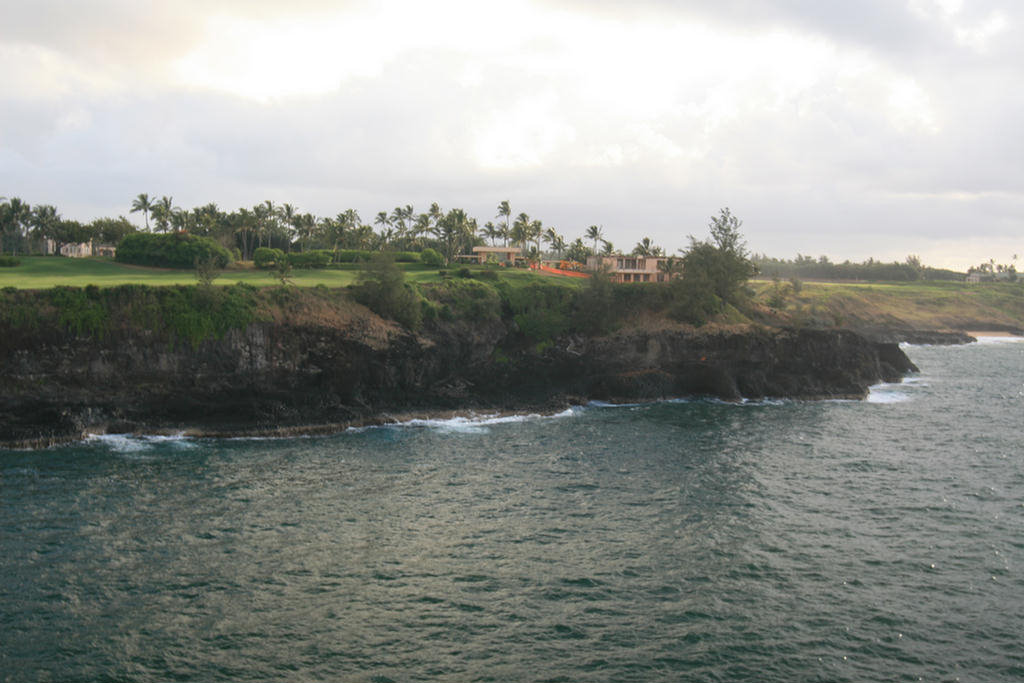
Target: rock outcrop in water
x=281, y=377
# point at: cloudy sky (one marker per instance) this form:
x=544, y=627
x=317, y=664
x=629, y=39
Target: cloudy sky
x=861, y=128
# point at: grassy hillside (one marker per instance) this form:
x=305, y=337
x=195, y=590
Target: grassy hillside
x=912, y=305
x=918, y=305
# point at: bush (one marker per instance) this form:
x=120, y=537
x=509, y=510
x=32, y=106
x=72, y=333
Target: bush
x=177, y=250
x=266, y=258
x=595, y=310
x=9, y=262
x=352, y=255
x=465, y=299
x=540, y=310
x=432, y=258
x=407, y=256
x=382, y=289
x=694, y=299
x=319, y=258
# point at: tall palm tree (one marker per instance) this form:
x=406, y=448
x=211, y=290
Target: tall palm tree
x=552, y=238
x=143, y=204
x=520, y=232
x=384, y=222
x=536, y=232
x=454, y=230
x=289, y=219
x=505, y=211
x=645, y=248
x=491, y=231
x=595, y=233
x=162, y=211
x=608, y=248
x=559, y=245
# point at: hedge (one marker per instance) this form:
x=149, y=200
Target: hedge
x=174, y=250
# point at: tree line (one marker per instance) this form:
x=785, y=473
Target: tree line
x=24, y=229
x=821, y=268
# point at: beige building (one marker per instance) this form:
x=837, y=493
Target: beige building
x=79, y=250
x=630, y=268
x=499, y=254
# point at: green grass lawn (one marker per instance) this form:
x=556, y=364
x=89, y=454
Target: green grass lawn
x=43, y=272
x=935, y=305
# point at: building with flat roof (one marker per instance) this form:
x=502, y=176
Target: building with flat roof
x=631, y=268
x=500, y=254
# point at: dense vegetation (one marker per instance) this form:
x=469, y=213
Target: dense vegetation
x=179, y=314
x=175, y=250
x=805, y=267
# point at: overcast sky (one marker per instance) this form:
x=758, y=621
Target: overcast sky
x=857, y=128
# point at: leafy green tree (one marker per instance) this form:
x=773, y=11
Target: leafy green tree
x=15, y=214
x=266, y=258
x=671, y=267
x=577, y=251
x=381, y=287
x=720, y=266
x=71, y=232
x=44, y=220
x=111, y=230
x=595, y=305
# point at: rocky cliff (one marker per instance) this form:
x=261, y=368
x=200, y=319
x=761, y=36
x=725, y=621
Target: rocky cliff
x=281, y=377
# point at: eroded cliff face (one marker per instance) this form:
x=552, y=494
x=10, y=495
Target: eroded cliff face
x=285, y=378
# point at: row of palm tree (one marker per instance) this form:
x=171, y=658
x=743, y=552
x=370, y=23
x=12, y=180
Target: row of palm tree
x=284, y=226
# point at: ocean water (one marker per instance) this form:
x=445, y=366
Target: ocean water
x=878, y=540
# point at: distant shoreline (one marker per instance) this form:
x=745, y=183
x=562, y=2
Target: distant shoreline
x=991, y=333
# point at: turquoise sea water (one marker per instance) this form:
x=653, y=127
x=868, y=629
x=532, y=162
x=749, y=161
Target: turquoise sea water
x=783, y=541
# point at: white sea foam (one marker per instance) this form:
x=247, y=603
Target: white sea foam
x=134, y=443
x=477, y=424
x=1000, y=340
x=887, y=393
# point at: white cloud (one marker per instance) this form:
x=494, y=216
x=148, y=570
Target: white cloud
x=813, y=121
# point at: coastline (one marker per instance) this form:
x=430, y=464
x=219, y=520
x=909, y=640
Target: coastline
x=278, y=380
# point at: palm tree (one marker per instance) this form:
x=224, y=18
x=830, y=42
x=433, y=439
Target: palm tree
x=15, y=214
x=289, y=217
x=505, y=211
x=142, y=203
x=162, y=211
x=420, y=227
x=608, y=249
x=453, y=231
x=536, y=232
x=242, y=222
x=401, y=217
x=520, y=232
x=559, y=245
x=552, y=238
x=645, y=248
x=671, y=267
x=595, y=233
x=385, y=227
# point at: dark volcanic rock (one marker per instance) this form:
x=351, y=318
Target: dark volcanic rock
x=278, y=379
x=896, y=335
